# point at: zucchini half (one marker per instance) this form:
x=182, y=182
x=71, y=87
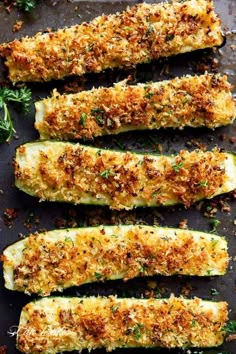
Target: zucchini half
x=139, y=34
x=192, y=101
x=60, y=171
x=55, y=260
x=53, y=325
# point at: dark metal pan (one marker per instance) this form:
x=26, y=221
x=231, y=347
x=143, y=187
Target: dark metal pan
x=30, y=215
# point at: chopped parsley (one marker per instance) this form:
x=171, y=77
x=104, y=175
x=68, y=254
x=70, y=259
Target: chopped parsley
x=21, y=97
x=231, y=327
x=214, y=242
x=169, y=37
x=83, y=119
x=186, y=99
x=114, y=308
x=177, y=166
x=143, y=268
x=106, y=173
x=127, y=28
x=137, y=330
x=26, y=5
x=69, y=239
x=98, y=113
x=214, y=292
x=214, y=224
x=203, y=183
x=98, y=276
x=149, y=95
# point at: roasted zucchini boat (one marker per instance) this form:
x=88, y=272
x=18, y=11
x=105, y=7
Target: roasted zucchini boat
x=192, y=101
x=141, y=33
x=58, y=259
x=53, y=325
x=66, y=172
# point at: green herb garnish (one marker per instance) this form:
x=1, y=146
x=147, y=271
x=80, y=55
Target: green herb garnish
x=98, y=276
x=20, y=97
x=143, y=268
x=83, y=119
x=203, y=183
x=177, y=166
x=214, y=242
x=169, y=37
x=69, y=239
x=137, y=330
x=186, y=99
x=106, y=173
x=214, y=292
x=94, y=111
x=97, y=113
x=231, y=327
x=214, y=224
x=114, y=308
x=127, y=28
x=149, y=95
x=26, y=5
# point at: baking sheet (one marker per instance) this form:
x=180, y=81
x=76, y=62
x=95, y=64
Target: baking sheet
x=33, y=216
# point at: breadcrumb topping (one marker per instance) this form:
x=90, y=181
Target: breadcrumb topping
x=53, y=325
x=139, y=34
x=193, y=101
x=58, y=259
x=59, y=171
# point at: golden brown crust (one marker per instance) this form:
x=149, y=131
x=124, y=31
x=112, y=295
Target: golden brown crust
x=139, y=34
x=58, y=259
x=74, y=173
x=53, y=325
x=194, y=101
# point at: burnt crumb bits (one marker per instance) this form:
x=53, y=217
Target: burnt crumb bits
x=3, y=349
x=69, y=220
x=206, y=63
x=60, y=222
x=196, y=144
x=232, y=139
x=9, y=215
x=186, y=290
x=31, y=221
x=17, y=26
x=183, y=224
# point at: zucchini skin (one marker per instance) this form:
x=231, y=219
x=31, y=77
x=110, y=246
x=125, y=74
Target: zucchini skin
x=193, y=101
x=141, y=33
x=53, y=325
x=60, y=171
x=58, y=259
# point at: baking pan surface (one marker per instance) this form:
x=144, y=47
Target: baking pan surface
x=22, y=214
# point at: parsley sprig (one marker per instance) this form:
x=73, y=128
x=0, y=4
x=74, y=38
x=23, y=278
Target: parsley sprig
x=26, y=5
x=20, y=97
x=231, y=327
